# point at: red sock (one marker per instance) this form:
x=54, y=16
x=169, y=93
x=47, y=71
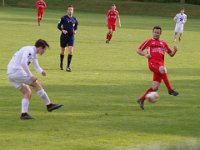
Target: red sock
x=107, y=36
x=38, y=21
x=166, y=81
x=110, y=37
x=144, y=96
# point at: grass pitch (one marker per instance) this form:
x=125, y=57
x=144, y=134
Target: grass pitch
x=99, y=94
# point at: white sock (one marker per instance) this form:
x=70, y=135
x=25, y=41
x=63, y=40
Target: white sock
x=174, y=37
x=25, y=104
x=43, y=95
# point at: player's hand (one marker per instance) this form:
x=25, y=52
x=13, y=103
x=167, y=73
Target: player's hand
x=64, y=31
x=33, y=78
x=74, y=32
x=44, y=73
x=147, y=56
x=175, y=48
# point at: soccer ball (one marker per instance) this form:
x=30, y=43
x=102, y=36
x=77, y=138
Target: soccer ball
x=152, y=97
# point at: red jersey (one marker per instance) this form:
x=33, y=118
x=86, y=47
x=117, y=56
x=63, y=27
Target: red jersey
x=112, y=16
x=41, y=5
x=156, y=49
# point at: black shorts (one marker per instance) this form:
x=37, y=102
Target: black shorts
x=66, y=40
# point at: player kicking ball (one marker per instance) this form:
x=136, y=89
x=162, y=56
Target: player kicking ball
x=111, y=18
x=156, y=49
x=180, y=19
x=21, y=77
x=40, y=5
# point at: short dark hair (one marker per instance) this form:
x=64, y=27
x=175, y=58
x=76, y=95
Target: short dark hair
x=182, y=8
x=113, y=5
x=157, y=27
x=70, y=6
x=41, y=43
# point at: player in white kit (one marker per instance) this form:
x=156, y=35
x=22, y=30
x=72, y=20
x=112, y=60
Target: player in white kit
x=21, y=77
x=180, y=19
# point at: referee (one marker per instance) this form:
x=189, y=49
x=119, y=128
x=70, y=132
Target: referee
x=68, y=27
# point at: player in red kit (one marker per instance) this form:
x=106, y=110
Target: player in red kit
x=111, y=19
x=156, y=49
x=40, y=5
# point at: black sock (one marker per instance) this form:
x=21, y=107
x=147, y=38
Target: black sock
x=69, y=59
x=61, y=59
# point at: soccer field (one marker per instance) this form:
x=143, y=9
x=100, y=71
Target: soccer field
x=100, y=111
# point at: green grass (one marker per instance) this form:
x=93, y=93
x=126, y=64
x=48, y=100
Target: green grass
x=124, y=6
x=100, y=112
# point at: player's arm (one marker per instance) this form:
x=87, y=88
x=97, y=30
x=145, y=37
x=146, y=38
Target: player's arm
x=76, y=27
x=172, y=53
x=142, y=53
x=141, y=49
x=24, y=63
x=119, y=21
x=175, y=19
x=60, y=26
x=36, y=5
x=45, y=5
x=107, y=16
x=185, y=20
x=169, y=51
x=38, y=68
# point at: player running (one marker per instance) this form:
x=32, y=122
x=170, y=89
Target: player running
x=180, y=19
x=40, y=5
x=68, y=27
x=156, y=49
x=111, y=18
x=21, y=77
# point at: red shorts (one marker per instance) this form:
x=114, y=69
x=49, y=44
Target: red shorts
x=112, y=26
x=154, y=67
x=40, y=12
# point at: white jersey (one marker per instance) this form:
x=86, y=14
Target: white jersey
x=22, y=58
x=180, y=19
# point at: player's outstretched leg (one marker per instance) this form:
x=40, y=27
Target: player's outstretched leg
x=25, y=102
x=141, y=100
x=43, y=95
x=154, y=87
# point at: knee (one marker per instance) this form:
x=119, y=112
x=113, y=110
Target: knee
x=162, y=70
x=155, y=88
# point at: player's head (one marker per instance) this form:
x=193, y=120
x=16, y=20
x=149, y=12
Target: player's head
x=70, y=10
x=157, y=30
x=41, y=46
x=113, y=6
x=182, y=10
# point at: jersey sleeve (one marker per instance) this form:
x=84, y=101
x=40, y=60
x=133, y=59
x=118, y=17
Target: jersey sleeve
x=37, y=5
x=37, y=66
x=108, y=12
x=25, y=62
x=175, y=18
x=45, y=5
x=144, y=45
x=167, y=49
x=76, y=25
x=60, y=23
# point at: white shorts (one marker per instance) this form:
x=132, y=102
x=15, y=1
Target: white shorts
x=179, y=29
x=19, y=78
